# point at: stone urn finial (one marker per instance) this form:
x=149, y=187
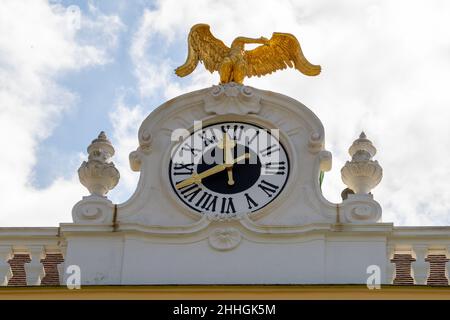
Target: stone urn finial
x=99, y=174
x=362, y=174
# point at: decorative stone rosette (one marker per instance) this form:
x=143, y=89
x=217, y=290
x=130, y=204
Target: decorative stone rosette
x=224, y=238
x=362, y=174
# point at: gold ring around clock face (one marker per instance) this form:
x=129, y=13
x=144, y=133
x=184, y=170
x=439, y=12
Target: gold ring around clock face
x=229, y=168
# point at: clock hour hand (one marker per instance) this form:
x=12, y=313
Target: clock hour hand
x=230, y=176
x=227, y=145
x=228, y=150
x=197, y=178
x=240, y=158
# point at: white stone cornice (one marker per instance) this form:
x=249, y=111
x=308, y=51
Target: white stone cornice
x=41, y=232
x=247, y=226
x=20, y=238
x=426, y=232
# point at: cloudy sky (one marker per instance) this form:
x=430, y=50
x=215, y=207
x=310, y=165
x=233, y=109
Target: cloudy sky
x=386, y=69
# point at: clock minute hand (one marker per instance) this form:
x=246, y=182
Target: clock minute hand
x=197, y=178
x=240, y=158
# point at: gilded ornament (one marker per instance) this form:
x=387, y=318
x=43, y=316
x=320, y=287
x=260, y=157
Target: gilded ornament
x=234, y=64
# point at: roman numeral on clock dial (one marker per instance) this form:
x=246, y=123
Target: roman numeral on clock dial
x=274, y=168
x=183, y=169
x=227, y=205
x=249, y=140
x=207, y=201
x=190, y=192
x=251, y=203
x=234, y=131
x=192, y=150
x=208, y=137
x=269, y=150
x=269, y=188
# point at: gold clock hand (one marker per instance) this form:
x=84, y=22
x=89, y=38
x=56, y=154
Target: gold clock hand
x=230, y=176
x=228, y=155
x=240, y=158
x=197, y=178
x=228, y=146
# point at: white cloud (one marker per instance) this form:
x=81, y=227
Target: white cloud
x=126, y=121
x=385, y=70
x=37, y=45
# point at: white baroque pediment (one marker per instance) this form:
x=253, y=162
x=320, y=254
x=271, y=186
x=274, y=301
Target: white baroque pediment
x=301, y=132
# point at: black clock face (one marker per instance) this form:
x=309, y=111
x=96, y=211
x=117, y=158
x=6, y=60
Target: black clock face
x=229, y=168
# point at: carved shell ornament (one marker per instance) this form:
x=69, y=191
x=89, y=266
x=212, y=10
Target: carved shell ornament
x=231, y=98
x=234, y=64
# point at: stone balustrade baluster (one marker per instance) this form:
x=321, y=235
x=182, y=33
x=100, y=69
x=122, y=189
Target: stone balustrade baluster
x=447, y=254
x=403, y=260
x=438, y=271
x=35, y=269
x=62, y=267
x=420, y=267
x=390, y=268
x=6, y=254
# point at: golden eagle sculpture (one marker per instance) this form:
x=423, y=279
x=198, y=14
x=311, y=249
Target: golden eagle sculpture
x=235, y=63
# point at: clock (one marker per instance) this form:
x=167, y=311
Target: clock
x=229, y=168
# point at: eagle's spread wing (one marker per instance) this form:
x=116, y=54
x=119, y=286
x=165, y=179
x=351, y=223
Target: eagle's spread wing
x=204, y=47
x=283, y=50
